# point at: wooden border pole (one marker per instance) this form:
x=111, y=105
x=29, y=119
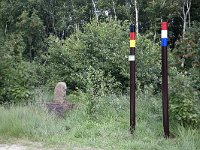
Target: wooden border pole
x=165, y=101
x=132, y=77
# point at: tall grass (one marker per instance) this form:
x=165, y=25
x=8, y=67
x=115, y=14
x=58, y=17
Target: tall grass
x=109, y=129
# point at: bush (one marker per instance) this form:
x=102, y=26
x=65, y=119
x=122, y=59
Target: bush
x=185, y=83
x=187, y=50
x=17, y=78
x=183, y=100
x=148, y=63
x=97, y=85
x=98, y=46
x=103, y=46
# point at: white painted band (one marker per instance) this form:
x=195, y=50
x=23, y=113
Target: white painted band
x=131, y=58
x=163, y=33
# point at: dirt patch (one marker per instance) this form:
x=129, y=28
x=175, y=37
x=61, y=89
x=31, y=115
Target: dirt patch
x=12, y=147
x=25, y=146
x=16, y=144
x=20, y=144
x=31, y=147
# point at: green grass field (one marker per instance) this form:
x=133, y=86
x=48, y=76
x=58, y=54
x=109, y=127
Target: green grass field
x=107, y=128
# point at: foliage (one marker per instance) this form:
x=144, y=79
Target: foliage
x=97, y=85
x=103, y=46
x=148, y=63
x=187, y=49
x=194, y=11
x=187, y=55
x=17, y=82
x=32, y=31
x=193, y=74
x=183, y=100
x=98, y=47
x=17, y=77
x=36, y=20
x=14, y=47
x=21, y=19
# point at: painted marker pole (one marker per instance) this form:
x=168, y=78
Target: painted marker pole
x=132, y=77
x=165, y=101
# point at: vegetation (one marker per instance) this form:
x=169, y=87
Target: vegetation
x=109, y=130
x=86, y=44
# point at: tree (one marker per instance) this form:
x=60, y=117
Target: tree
x=186, y=5
x=195, y=11
x=95, y=10
x=136, y=16
x=187, y=49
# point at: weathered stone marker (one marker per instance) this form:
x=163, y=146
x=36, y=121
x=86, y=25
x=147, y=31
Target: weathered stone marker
x=60, y=92
x=59, y=106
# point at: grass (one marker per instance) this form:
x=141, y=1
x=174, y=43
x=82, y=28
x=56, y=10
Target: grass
x=106, y=128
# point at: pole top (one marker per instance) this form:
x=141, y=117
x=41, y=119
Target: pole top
x=164, y=25
x=132, y=28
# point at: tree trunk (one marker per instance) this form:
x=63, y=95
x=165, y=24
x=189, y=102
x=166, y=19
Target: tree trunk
x=184, y=23
x=136, y=16
x=186, y=14
x=53, y=24
x=6, y=27
x=114, y=10
x=155, y=32
x=189, y=20
x=95, y=10
x=188, y=8
x=154, y=37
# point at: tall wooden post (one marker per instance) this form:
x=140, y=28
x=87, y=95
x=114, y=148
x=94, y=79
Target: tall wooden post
x=132, y=77
x=165, y=101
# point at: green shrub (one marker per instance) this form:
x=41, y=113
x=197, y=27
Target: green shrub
x=15, y=94
x=183, y=100
x=148, y=63
x=187, y=50
x=97, y=85
x=193, y=74
x=104, y=46
x=17, y=80
x=17, y=77
x=185, y=84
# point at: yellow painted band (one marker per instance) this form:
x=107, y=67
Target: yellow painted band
x=132, y=43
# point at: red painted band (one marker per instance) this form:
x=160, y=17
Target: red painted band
x=164, y=25
x=132, y=35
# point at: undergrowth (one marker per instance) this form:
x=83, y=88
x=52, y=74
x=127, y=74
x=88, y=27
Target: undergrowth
x=108, y=128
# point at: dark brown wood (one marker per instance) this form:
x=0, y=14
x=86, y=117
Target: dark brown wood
x=165, y=101
x=132, y=91
x=132, y=77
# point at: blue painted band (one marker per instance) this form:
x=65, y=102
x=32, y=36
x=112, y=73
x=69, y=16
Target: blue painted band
x=132, y=28
x=164, y=41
